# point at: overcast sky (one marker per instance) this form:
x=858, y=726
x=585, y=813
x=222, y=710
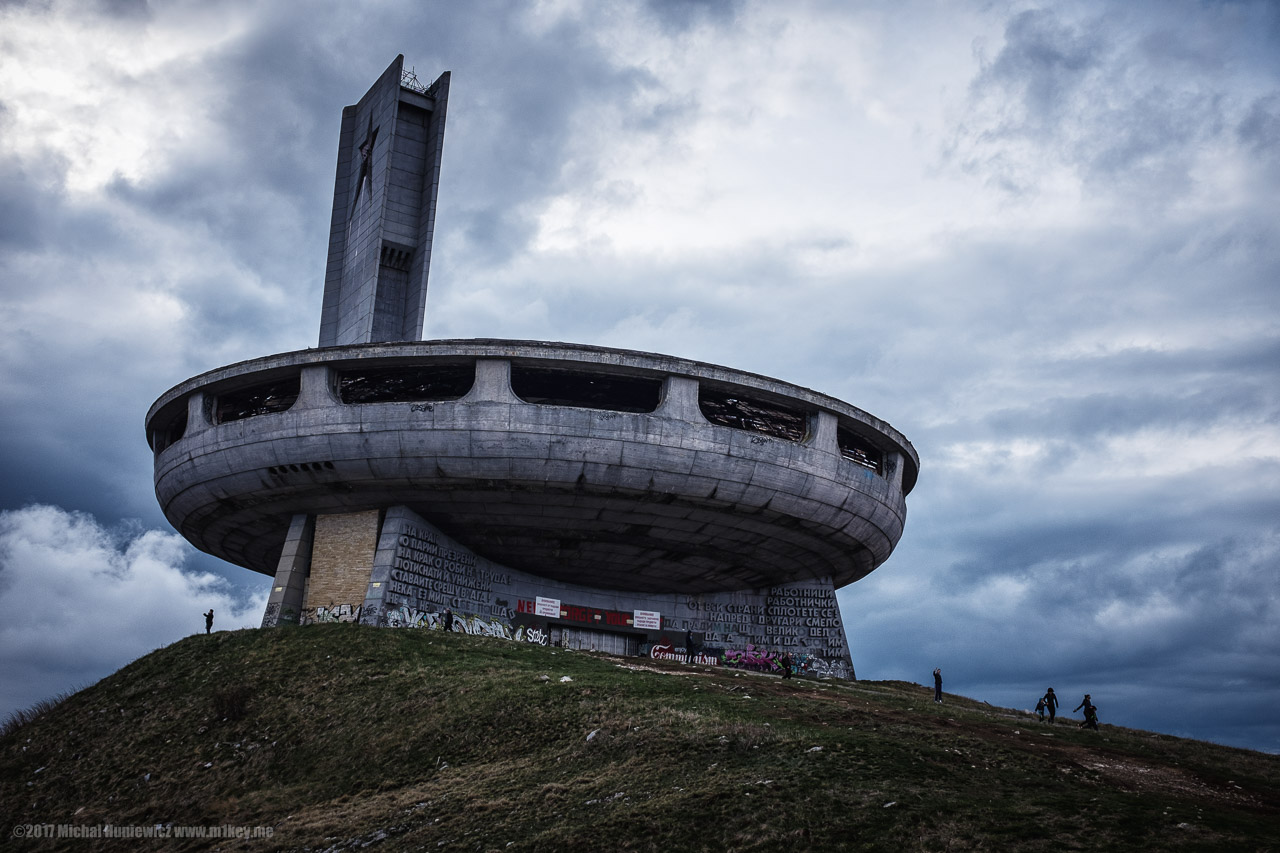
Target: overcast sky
x=1041, y=240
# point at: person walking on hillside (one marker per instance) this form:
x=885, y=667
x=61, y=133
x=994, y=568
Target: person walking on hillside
x=786, y=664
x=208, y=621
x=1051, y=704
x=937, y=684
x=1040, y=708
x=448, y=619
x=1090, y=712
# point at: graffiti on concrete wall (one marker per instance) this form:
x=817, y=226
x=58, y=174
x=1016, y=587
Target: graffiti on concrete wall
x=332, y=613
x=481, y=627
x=766, y=660
x=666, y=651
x=537, y=636
x=752, y=657
x=821, y=667
x=405, y=616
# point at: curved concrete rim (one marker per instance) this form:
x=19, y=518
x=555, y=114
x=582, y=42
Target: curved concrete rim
x=633, y=362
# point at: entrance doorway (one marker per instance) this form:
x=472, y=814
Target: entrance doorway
x=583, y=639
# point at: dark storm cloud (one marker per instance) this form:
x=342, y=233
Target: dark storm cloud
x=1043, y=65
x=529, y=98
x=1088, y=417
x=681, y=15
x=1071, y=90
x=133, y=10
x=26, y=192
x=1106, y=622
x=526, y=92
x=1260, y=128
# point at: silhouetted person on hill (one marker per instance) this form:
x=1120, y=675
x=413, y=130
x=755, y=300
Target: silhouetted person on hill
x=448, y=619
x=1051, y=704
x=786, y=664
x=1040, y=708
x=208, y=621
x=937, y=684
x=1090, y=713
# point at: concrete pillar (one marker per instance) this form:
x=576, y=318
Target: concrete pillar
x=284, y=605
x=893, y=468
x=384, y=561
x=680, y=400
x=493, y=382
x=315, y=389
x=822, y=432
x=197, y=418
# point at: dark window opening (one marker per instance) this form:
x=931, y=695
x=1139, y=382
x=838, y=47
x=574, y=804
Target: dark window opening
x=263, y=399
x=738, y=412
x=855, y=449
x=437, y=383
x=585, y=390
x=175, y=429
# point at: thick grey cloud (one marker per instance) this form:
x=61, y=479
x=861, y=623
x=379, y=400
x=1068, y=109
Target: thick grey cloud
x=81, y=600
x=1124, y=95
x=1039, y=240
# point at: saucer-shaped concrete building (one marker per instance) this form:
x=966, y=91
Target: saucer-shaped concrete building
x=547, y=492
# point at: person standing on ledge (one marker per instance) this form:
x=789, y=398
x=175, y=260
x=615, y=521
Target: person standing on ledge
x=208, y=621
x=937, y=684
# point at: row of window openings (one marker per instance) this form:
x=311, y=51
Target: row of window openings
x=539, y=386
x=302, y=467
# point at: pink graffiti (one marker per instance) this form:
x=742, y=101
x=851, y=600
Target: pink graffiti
x=752, y=658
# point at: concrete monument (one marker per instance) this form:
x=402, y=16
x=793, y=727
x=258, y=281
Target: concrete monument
x=584, y=496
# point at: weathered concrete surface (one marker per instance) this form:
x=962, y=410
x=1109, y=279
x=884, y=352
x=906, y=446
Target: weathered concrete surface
x=384, y=212
x=419, y=572
x=644, y=502
x=288, y=591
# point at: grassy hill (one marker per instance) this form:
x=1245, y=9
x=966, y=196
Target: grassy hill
x=336, y=736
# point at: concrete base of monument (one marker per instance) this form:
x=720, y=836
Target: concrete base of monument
x=394, y=569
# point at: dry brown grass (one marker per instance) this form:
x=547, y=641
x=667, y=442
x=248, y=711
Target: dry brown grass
x=339, y=736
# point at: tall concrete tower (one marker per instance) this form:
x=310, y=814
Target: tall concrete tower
x=384, y=211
